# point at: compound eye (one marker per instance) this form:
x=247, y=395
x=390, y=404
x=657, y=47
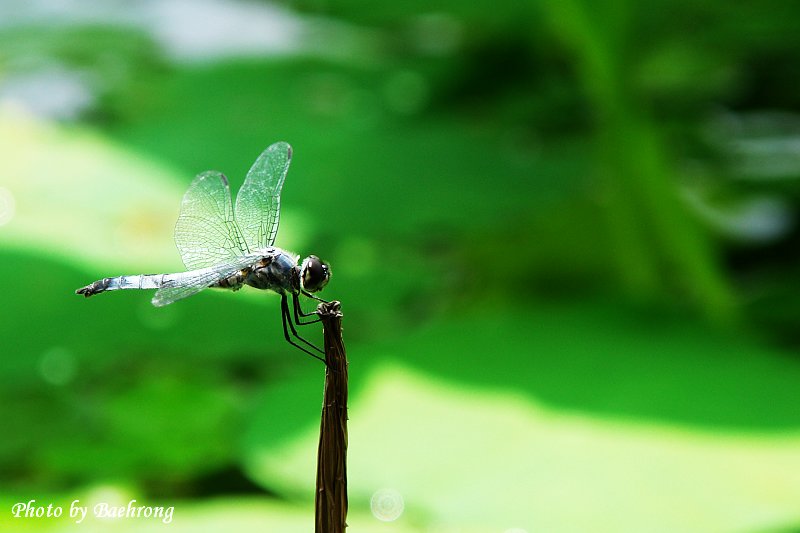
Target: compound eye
x=315, y=274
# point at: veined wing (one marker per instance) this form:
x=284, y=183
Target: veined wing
x=258, y=203
x=206, y=233
x=188, y=283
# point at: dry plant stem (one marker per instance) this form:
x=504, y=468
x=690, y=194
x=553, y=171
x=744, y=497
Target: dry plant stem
x=331, y=497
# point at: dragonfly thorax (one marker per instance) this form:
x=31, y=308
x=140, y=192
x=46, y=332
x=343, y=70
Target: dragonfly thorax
x=278, y=270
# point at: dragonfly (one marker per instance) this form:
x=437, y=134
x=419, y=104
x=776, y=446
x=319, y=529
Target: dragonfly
x=228, y=246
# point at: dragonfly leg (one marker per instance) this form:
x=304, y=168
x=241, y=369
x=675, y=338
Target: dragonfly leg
x=298, y=312
x=287, y=320
x=317, y=298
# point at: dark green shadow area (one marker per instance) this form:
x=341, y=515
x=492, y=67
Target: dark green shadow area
x=359, y=167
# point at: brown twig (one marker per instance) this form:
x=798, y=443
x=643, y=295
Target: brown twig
x=331, y=497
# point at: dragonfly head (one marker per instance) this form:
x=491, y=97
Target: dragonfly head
x=314, y=274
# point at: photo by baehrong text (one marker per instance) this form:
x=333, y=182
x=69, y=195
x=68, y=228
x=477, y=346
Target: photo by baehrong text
x=102, y=510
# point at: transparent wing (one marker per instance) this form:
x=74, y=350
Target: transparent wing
x=258, y=203
x=187, y=284
x=206, y=233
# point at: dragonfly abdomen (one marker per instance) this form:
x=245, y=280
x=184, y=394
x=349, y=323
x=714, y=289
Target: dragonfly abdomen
x=137, y=281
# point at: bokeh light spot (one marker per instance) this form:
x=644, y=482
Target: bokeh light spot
x=386, y=505
x=406, y=92
x=57, y=366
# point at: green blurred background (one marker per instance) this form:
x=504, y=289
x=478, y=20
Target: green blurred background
x=564, y=235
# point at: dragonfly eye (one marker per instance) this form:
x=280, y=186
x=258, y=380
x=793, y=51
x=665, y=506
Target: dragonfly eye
x=314, y=274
